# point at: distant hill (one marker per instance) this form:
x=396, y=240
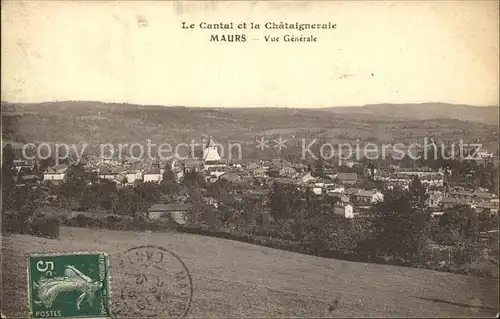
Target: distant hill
x=97, y=122
x=426, y=111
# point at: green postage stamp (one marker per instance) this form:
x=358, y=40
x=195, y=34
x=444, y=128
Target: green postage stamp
x=68, y=285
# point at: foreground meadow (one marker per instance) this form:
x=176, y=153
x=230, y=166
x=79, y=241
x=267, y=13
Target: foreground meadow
x=234, y=279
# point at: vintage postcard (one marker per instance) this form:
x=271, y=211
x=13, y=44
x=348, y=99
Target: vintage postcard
x=249, y=159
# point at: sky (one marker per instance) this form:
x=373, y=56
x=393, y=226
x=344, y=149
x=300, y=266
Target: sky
x=137, y=52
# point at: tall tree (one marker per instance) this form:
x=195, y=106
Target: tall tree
x=193, y=178
x=459, y=224
x=319, y=168
x=8, y=156
x=46, y=163
x=8, y=175
x=280, y=207
x=169, y=184
x=399, y=226
x=126, y=202
x=418, y=191
x=73, y=188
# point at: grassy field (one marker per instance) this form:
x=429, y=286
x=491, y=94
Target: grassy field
x=233, y=279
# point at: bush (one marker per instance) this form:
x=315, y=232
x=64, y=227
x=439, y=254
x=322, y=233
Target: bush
x=117, y=223
x=11, y=223
x=63, y=219
x=45, y=226
x=82, y=220
x=142, y=224
x=113, y=223
x=40, y=226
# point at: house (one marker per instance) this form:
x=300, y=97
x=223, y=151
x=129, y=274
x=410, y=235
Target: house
x=395, y=181
x=474, y=197
x=274, y=172
x=236, y=165
x=287, y=171
x=252, y=166
x=448, y=202
x=420, y=173
x=329, y=173
x=113, y=176
x=437, y=214
x=178, y=169
x=133, y=176
x=30, y=179
x=485, y=196
x=382, y=176
x=284, y=180
x=347, y=178
x=193, y=164
x=24, y=164
x=56, y=173
x=54, y=177
x=277, y=162
x=230, y=177
x=218, y=169
x=345, y=210
x=106, y=173
x=58, y=169
x=463, y=195
x=299, y=167
x=481, y=157
x=339, y=197
x=318, y=188
x=129, y=161
x=489, y=207
x=347, y=163
x=434, y=180
x=260, y=172
x=369, y=197
x=335, y=189
x=307, y=178
x=213, y=176
x=175, y=212
x=155, y=176
x=435, y=200
x=266, y=164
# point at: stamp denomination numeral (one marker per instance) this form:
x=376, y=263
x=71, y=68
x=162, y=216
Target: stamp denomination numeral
x=45, y=267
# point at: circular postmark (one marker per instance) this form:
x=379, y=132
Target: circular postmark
x=150, y=281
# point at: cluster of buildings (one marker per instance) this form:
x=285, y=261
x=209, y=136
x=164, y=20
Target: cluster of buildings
x=342, y=190
x=479, y=200
x=403, y=177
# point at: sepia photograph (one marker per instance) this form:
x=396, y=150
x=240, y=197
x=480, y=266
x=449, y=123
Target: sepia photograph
x=249, y=159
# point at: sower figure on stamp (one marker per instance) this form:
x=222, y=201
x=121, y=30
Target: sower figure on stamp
x=49, y=288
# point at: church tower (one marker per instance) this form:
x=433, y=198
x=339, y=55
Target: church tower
x=210, y=153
